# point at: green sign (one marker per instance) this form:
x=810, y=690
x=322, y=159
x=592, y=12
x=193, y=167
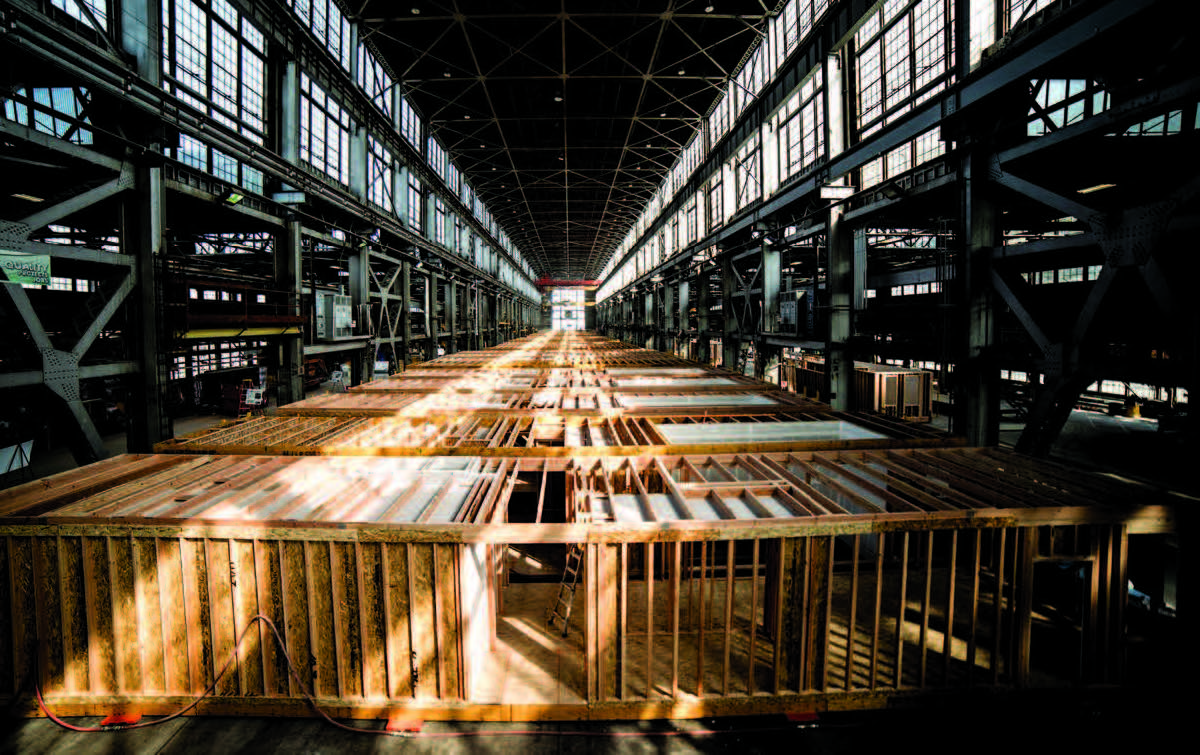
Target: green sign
x=25, y=268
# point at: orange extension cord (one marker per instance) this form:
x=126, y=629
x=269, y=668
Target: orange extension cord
x=359, y=730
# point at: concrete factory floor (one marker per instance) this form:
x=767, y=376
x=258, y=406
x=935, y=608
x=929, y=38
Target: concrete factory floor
x=1060, y=722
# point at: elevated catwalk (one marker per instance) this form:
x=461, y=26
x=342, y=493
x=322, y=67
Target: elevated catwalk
x=744, y=549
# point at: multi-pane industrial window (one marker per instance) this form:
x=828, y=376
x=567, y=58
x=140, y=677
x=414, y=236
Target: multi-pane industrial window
x=802, y=128
x=912, y=153
x=784, y=34
x=413, y=202
x=748, y=172
x=716, y=210
x=86, y=11
x=410, y=124
x=720, y=120
x=214, y=60
x=254, y=242
x=437, y=159
x=1164, y=124
x=462, y=236
x=381, y=171
x=689, y=227
x=567, y=309
x=439, y=221
x=375, y=82
x=328, y=24
x=1020, y=10
x=1062, y=102
x=324, y=131
x=905, y=56
x=59, y=111
x=749, y=81
x=808, y=12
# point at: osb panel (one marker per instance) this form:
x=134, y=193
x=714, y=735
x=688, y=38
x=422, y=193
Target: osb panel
x=153, y=617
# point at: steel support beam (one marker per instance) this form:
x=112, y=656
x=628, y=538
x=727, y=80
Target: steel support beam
x=19, y=230
x=60, y=373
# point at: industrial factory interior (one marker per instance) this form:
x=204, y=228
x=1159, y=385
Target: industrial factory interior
x=549, y=375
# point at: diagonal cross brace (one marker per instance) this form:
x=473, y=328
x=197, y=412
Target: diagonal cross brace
x=56, y=212
x=60, y=369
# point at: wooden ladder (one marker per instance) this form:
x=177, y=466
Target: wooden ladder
x=566, y=588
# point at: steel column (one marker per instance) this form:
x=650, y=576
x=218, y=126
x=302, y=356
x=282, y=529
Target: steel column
x=730, y=345
x=977, y=399
x=142, y=235
x=406, y=312
x=289, y=363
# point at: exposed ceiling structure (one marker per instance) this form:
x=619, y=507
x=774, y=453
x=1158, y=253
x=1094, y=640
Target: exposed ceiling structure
x=565, y=117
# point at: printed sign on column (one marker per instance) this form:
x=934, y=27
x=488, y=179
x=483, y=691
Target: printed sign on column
x=25, y=268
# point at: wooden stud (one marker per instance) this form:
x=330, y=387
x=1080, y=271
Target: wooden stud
x=1117, y=592
x=72, y=603
x=221, y=616
x=40, y=619
x=700, y=624
x=849, y=681
x=650, y=549
x=676, y=568
x=948, y=642
x=150, y=631
x=876, y=614
x=320, y=620
x=926, y=595
x=265, y=588
x=750, y=683
x=973, y=605
x=367, y=681
x=998, y=598
x=898, y=680
x=623, y=626
x=781, y=549
x=1027, y=545
x=439, y=653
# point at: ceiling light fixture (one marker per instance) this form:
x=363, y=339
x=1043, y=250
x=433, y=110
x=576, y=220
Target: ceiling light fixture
x=681, y=71
x=446, y=74
x=1090, y=189
x=708, y=9
x=416, y=11
x=28, y=197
